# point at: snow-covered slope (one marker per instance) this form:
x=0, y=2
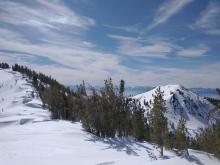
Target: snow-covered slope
x=18, y=100
x=196, y=110
x=62, y=142
x=28, y=137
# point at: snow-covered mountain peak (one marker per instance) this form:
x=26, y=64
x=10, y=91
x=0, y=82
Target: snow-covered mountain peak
x=196, y=110
x=171, y=87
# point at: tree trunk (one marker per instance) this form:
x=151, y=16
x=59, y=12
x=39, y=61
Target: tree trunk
x=162, y=143
x=187, y=152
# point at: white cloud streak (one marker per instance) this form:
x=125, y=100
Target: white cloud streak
x=209, y=21
x=136, y=28
x=47, y=14
x=49, y=20
x=193, y=52
x=138, y=47
x=167, y=9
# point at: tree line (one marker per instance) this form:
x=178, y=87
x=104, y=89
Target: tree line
x=4, y=65
x=209, y=138
x=107, y=112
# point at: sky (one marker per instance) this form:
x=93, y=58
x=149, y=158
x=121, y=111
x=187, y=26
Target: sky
x=144, y=42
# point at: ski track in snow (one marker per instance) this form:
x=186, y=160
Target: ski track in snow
x=29, y=137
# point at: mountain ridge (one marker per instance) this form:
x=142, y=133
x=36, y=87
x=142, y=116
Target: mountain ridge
x=135, y=90
x=25, y=125
x=197, y=111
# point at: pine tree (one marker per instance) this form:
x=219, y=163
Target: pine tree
x=181, y=135
x=122, y=87
x=158, y=122
x=140, y=129
x=4, y=65
x=209, y=139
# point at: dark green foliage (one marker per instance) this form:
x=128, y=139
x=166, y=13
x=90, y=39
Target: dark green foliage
x=4, y=65
x=55, y=97
x=140, y=127
x=81, y=89
x=214, y=101
x=208, y=140
x=171, y=140
x=108, y=113
x=158, y=122
x=122, y=87
x=181, y=135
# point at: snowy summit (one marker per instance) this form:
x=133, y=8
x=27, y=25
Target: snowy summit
x=197, y=111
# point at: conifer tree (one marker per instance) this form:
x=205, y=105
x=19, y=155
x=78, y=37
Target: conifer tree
x=181, y=135
x=158, y=122
x=122, y=87
x=209, y=139
x=140, y=128
x=4, y=65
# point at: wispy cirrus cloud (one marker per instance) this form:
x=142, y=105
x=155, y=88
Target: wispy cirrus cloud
x=144, y=48
x=193, y=51
x=156, y=47
x=166, y=10
x=136, y=28
x=79, y=62
x=209, y=21
x=43, y=13
x=200, y=76
x=50, y=31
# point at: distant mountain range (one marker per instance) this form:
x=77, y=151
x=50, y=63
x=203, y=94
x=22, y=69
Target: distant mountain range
x=206, y=92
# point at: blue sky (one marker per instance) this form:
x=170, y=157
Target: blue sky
x=144, y=42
